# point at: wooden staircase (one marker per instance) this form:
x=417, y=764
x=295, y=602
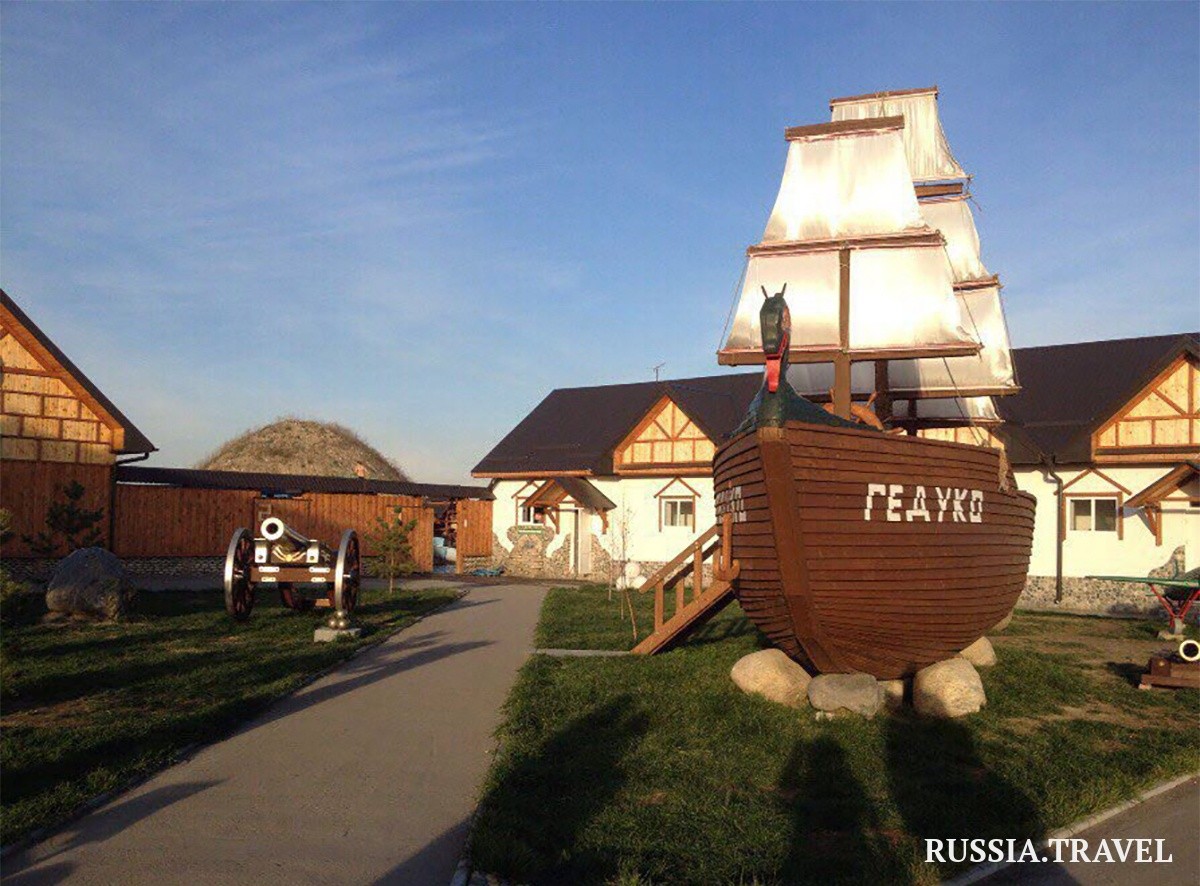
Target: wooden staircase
x=705, y=602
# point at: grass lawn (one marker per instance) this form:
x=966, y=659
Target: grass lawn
x=658, y=770
x=88, y=706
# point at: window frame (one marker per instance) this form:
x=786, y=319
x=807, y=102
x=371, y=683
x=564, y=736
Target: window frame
x=664, y=504
x=1073, y=501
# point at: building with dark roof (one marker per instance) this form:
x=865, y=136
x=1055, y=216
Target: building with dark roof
x=56, y=428
x=1116, y=423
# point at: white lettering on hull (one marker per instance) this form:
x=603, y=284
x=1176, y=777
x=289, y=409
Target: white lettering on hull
x=955, y=504
x=729, y=501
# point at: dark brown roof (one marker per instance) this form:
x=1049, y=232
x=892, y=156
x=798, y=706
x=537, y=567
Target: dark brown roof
x=1068, y=391
x=293, y=484
x=135, y=440
x=576, y=429
x=585, y=493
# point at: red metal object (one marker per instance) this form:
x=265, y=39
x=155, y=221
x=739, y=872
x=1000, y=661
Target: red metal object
x=1169, y=604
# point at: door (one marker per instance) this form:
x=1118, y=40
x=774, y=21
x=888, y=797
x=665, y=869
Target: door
x=581, y=542
x=474, y=528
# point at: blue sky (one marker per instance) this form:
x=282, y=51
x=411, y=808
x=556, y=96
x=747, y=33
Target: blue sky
x=417, y=220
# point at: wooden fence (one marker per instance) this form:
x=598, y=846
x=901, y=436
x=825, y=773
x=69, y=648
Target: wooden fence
x=158, y=521
x=474, y=528
x=168, y=521
x=28, y=488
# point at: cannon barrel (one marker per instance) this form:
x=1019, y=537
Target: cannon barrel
x=274, y=529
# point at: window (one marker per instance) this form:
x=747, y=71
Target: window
x=530, y=515
x=679, y=512
x=1093, y=515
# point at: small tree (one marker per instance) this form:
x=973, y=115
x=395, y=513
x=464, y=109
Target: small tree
x=392, y=548
x=68, y=523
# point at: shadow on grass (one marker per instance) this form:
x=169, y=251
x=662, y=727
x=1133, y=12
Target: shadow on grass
x=533, y=819
x=719, y=629
x=938, y=758
x=836, y=833
x=1127, y=671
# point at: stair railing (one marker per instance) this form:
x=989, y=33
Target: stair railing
x=713, y=542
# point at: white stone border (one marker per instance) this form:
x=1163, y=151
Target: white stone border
x=983, y=871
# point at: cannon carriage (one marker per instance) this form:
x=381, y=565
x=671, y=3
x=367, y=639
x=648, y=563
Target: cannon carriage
x=307, y=572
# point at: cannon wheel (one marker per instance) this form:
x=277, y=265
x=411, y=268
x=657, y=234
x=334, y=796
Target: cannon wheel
x=239, y=592
x=349, y=570
x=292, y=600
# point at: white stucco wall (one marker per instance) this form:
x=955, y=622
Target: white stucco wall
x=1102, y=553
x=637, y=508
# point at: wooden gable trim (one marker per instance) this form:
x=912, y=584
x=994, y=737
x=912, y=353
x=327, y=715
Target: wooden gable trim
x=549, y=494
x=646, y=420
x=528, y=483
x=1164, y=486
x=1099, y=473
x=678, y=479
x=689, y=432
x=55, y=369
x=1189, y=413
x=694, y=496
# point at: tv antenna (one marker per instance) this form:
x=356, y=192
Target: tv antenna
x=657, y=369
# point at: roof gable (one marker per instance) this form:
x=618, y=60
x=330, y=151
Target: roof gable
x=126, y=437
x=1069, y=391
x=574, y=431
x=666, y=436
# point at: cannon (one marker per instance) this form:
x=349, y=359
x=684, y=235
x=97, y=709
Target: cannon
x=306, y=571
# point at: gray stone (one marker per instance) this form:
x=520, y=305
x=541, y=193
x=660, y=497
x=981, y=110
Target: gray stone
x=950, y=688
x=330, y=635
x=980, y=653
x=893, y=694
x=90, y=581
x=1002, y=623
x=856, y=693
x=771, y=674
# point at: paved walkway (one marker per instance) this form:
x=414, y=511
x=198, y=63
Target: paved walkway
x=1173, y=817
x=369, y=775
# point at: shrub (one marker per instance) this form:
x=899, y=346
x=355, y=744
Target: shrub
x=18, y=603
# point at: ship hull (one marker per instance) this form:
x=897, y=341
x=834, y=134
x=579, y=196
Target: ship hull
x=870, y=552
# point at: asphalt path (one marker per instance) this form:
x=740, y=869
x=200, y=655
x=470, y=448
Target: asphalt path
x=368, y=775
x=1172, y=816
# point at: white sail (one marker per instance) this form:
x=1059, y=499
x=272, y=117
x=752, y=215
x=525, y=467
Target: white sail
x=844, y=186
x=968, y=410
x=954, y=219
x=991, y=369
x=929, y=156
x=849, y=188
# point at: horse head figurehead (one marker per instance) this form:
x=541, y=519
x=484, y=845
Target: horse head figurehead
x=775, y=321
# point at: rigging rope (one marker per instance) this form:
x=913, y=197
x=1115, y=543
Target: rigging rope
x=733, y=305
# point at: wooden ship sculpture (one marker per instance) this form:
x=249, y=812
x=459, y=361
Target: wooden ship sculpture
x=853, y=543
